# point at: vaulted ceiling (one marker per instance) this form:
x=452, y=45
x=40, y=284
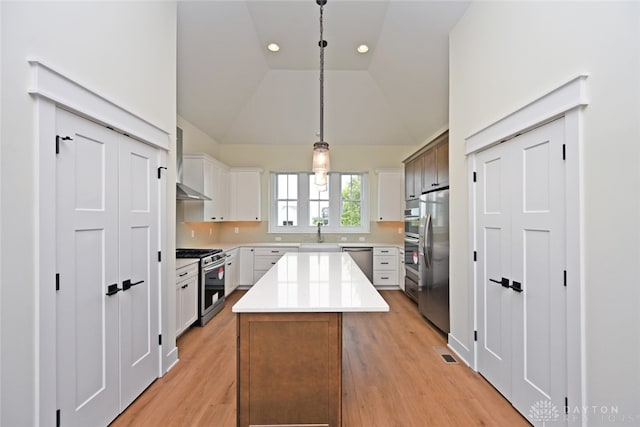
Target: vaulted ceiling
x=235, y=90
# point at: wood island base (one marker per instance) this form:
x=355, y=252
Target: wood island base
x=289, y=369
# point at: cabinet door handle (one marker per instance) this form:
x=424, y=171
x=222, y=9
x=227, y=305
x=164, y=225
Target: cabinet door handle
x=384, y=278
x=384, y=263
x=183, y=274
x=113, y=289
x=184, y=286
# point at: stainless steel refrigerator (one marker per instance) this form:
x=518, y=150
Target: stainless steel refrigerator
x=433, y=285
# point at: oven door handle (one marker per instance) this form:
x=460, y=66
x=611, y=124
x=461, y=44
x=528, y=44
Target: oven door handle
x=212, y=267
x=411, y=240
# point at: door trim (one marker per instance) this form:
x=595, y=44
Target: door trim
x=50, y=90
x=567, y=100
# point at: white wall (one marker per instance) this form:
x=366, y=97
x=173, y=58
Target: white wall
x=195, y=140
x=504, y=55
x=125, y=51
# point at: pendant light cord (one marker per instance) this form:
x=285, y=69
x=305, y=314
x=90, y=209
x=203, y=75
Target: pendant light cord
x=322, y=45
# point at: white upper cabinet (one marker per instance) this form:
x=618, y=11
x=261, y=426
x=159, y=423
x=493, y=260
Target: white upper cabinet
x=390, y=195
x=210, y=177
x=245, y=194
x=220, y=197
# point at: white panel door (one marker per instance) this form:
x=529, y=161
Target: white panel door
x=493, y=216
x=538, y=264
x=521, y=305
x=139, y=217
x=87, y=260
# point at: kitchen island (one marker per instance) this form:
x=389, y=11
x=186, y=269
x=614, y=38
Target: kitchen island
x=290, y=339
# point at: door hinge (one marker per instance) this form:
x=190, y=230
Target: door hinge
x=160, y=339
x=475, y=335
x=57, y=281
x=475, y=256
x=566, y=405
x=474, y=177
x=61, y=138
x=565, y=278
x=159, y=256
x=160, y=171
x=564, y=152
x=57, y=417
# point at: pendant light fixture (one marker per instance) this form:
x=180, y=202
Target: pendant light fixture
x=321, y=162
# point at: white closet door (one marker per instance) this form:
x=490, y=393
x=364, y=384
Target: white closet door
x=521, y=308
x=87, y=261
x=493, y=216
x=538, y=264
x=139, y=217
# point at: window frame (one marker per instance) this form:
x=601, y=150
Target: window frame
x=335, y=205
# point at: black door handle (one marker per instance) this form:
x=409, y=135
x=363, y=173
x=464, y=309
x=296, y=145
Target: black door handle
x=504, y=282
x=127, y=284
x=517, y=286
x=113, y=289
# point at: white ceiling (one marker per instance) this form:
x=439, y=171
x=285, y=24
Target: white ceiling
x=235, y=90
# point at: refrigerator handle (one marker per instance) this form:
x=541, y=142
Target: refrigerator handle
x=427, y=242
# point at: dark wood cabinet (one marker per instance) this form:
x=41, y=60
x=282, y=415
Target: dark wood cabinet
x=442, y=164
x=289, y=369
x=428, y=169
x=413, y=179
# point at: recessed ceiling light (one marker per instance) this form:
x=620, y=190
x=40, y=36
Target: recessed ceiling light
x=363, y=48
x=273, y=47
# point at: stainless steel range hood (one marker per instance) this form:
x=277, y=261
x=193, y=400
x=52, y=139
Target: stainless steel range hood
x=184, y=192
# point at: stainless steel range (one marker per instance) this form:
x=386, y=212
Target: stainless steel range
x=210, y=282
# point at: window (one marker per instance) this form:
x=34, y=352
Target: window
x=298, y=207
x=287, y=199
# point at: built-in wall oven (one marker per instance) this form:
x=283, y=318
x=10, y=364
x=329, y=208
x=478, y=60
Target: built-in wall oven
x=210, y=282
x=411, y=248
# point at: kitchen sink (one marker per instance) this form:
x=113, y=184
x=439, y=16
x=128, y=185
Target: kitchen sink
x=319, y=247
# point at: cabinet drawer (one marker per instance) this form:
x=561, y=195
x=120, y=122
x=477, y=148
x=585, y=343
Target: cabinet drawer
x=186, y=272
x=385, y=262
x=384, y=278
x=273, y=251
x=384, y=251
x=265, y=262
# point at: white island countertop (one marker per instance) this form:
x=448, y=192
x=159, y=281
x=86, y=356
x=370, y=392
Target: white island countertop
x=312, y=282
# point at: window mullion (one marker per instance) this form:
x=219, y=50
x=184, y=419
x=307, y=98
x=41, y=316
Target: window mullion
x=303, y=202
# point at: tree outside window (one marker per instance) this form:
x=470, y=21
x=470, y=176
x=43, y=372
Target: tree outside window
x=351, y=186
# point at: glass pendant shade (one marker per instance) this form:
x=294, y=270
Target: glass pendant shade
x=320, y=179
x=321, y=161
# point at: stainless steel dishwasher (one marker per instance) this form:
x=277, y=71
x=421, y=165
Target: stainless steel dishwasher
x=364, y=258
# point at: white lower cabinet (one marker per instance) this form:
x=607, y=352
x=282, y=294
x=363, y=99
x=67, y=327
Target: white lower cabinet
x=385, y=266
x=231, y=271
x=186, y=297
x=245, y=272
x=401, y=268
x=267, y=257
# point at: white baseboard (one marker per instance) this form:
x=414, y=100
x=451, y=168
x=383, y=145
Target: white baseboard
x=171, y=359
x=460, y=350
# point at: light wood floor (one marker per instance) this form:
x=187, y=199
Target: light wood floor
x=392, y=376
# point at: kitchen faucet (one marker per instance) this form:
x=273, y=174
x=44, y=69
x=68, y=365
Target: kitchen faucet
x=320, y=239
